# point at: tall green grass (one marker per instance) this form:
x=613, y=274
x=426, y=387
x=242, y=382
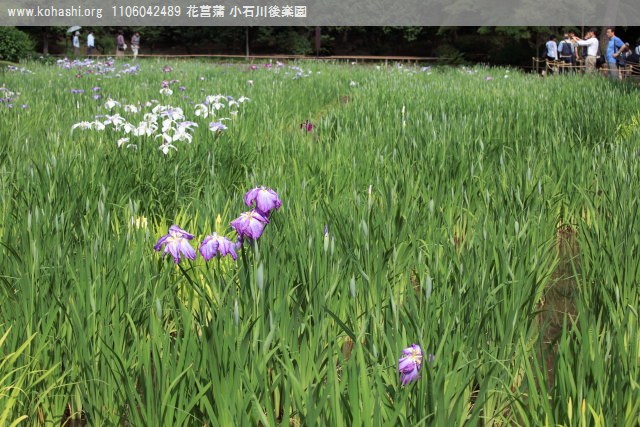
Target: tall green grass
x=443, y=231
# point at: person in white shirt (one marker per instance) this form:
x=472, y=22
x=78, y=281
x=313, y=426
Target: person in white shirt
x=551, y=54
x=76, y=43
x=135, y=44
x=552, y=48
x=592, y=44
x=91, y=43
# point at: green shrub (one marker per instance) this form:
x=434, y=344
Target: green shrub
x=450, y=54
x=296, y=43
x=290, y=42
x=106, y=44
x=14, y=44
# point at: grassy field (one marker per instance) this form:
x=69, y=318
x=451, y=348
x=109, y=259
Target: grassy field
x=489, y=216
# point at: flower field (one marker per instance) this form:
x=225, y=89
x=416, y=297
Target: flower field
x=189, y=243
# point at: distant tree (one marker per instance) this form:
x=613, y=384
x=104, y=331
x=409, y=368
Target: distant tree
x=409, y=34
x=14, y=44
x=44, y=36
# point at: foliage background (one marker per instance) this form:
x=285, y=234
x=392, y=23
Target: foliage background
x=492, y=45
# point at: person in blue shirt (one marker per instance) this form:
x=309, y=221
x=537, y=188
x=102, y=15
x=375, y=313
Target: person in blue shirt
x=614, y=48
x=567, y=52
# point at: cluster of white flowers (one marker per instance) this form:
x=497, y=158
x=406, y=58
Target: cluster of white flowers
x=6, y=93
x=174, y=127
x=166, y=89
x=299, y=72
x=8, y=98
x=467, y=70
x=214, y=105
x=164, y=122
x=89, y=66
x=411, y=70
x=77, y=63
x=15, y=69
x=292, y=71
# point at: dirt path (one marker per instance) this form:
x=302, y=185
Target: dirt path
x=559, y=299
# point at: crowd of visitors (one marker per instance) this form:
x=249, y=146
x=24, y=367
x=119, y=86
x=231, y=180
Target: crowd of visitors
x=121, y=45
x=572, y=50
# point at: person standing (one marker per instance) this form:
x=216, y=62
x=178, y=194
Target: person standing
x=91, y=43
x=633, y=55
x=591, y=42
x=551, y=52
x=564, y=49
x=76, y=43
x=614, y=48
x=574, y=48
x=633, y=58
x=135, y=44
x=120, y=45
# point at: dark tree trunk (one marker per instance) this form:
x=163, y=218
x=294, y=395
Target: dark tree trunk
x=45, y=42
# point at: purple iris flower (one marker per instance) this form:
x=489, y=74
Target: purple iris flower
x=187, y=124
x=307, y=126
x=266, y=200
x=77, y=91
x=217, y=126
x=410, y=363
x=176, y=243
x=250, y=224
x=214, y=244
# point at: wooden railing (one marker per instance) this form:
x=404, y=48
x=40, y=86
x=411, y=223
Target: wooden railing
x=353, y=58
x=540, y=65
